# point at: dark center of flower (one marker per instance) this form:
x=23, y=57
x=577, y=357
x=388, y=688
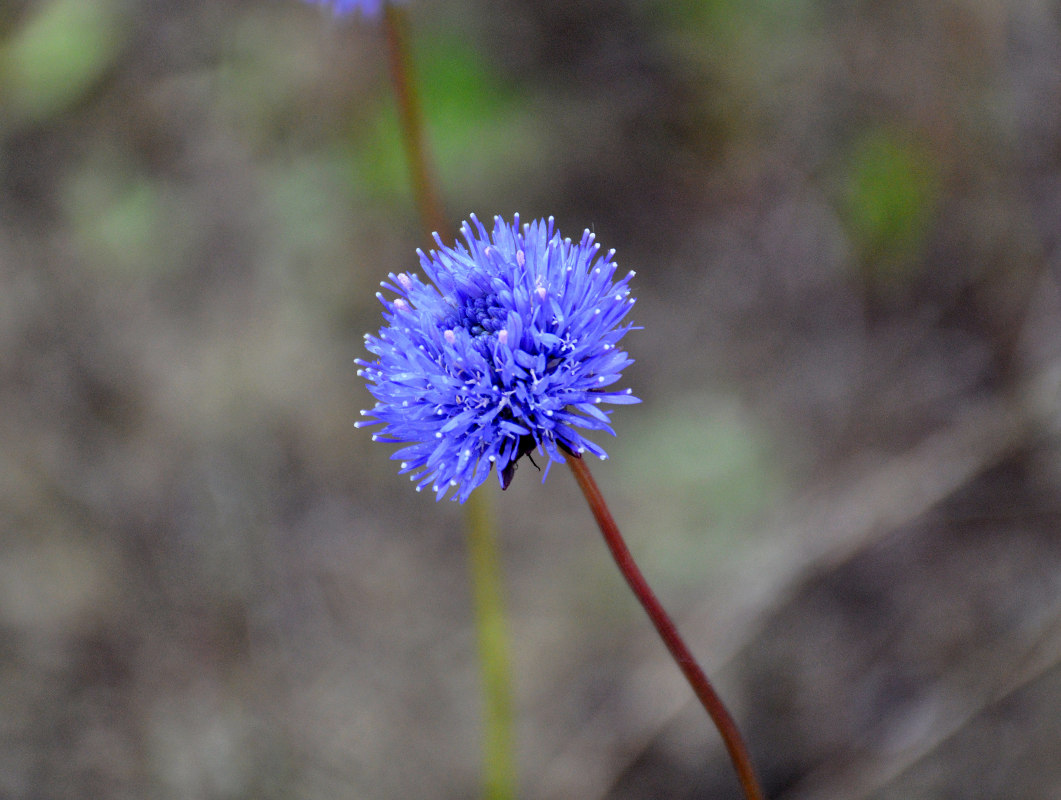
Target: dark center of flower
x=480, y=316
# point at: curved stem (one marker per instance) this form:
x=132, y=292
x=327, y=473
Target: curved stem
x=696, y=677
x=499, y=772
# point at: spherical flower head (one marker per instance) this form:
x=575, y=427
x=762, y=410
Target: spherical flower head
x=369, y=8
x=510, y=348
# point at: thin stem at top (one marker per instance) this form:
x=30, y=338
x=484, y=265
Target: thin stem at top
x=411, y=120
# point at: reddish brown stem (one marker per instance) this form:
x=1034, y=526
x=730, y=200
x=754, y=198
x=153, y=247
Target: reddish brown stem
x=411, y=119
x=705, y=692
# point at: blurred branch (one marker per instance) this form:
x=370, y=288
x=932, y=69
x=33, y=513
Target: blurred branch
x=1040, y=655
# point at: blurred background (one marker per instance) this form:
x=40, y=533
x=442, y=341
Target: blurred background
x=844, y=480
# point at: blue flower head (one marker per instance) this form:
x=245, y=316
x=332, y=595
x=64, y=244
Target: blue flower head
x=511, y=348
x=369, y=8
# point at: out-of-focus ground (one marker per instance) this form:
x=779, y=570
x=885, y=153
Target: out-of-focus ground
x=844, y=480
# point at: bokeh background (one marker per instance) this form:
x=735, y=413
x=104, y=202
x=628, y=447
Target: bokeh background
x=844, y=480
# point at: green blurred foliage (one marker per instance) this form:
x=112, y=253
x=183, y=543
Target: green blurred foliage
x=313, y=217
x=57, y=56
x=713, y=472
x=119, y=219
x=474, y=124
x=743, y=54
x=729, y=20
x=892, y=188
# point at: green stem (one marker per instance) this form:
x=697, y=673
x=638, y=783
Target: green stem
x=499, y=771
x=667, y=630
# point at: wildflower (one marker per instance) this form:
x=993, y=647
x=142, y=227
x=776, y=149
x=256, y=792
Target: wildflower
x=512, y=348
x=369, y=8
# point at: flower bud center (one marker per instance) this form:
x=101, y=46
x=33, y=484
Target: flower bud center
x=480, y=316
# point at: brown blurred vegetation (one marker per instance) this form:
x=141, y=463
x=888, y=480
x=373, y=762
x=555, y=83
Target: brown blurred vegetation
x=844, y=479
